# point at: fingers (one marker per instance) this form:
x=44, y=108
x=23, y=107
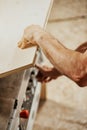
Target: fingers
x=44, y=79
x=39, y=67
x=47, y=79
x=21, y=45
x=24, y=44
x=43, y=74
x=44, y=67
x=28, y=38
x=43, y=70
x=39, y=75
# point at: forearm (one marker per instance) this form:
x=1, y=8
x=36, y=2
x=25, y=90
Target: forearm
x=82, y=49
x=67, y=62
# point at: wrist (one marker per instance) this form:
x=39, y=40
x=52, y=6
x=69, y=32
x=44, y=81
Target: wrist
x=40, y=37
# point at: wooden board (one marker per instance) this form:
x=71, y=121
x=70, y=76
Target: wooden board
x=15, y=16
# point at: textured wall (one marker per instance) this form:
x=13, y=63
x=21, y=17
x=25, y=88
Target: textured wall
x=68, y=22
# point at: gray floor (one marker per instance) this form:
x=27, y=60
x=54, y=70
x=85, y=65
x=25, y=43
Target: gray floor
x=54, y=116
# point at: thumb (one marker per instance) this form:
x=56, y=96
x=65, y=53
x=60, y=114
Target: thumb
x=38, y=66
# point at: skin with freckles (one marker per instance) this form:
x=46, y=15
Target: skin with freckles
x=71, y=63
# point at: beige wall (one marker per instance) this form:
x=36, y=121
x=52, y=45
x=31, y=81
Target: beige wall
x=68, y=22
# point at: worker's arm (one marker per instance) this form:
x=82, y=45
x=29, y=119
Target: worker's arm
x=46, y=74
x=68, y=62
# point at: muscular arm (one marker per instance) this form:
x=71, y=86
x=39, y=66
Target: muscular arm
x=71, y=63
x=66, y=61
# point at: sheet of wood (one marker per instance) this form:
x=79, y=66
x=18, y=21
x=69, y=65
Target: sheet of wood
x=15, y=16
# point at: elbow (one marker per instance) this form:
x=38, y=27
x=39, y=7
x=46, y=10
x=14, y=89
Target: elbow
x=81, y=84
x=80, y=77
x=76, y=78
x=80, y=74
x=80, y=80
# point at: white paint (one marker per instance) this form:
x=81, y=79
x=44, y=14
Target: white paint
x=15, y=16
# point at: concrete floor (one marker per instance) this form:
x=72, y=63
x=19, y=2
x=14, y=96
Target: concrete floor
x=54, y=116
x=66, y=104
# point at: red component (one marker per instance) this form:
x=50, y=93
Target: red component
x=24, y=114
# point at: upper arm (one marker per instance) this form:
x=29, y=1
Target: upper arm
x=83, y=78
x=83, y=74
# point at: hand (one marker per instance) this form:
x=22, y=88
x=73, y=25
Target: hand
x=31, y=36
x=46, y=74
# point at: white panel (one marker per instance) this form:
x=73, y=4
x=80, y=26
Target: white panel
x=15, y=15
